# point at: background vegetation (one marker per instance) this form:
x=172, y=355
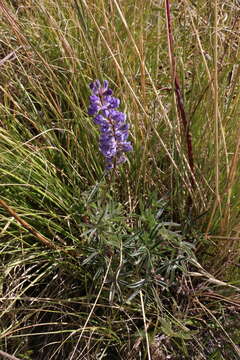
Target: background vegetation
x=144, y=264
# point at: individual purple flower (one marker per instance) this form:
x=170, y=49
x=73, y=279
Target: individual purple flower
x=113, y=142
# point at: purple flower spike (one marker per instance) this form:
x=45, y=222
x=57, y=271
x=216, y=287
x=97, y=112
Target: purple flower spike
x=112, y=124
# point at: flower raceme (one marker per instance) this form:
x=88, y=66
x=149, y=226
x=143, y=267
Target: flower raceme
x=113, y=142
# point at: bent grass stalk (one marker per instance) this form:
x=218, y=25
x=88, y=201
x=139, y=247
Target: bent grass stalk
x=179, y=98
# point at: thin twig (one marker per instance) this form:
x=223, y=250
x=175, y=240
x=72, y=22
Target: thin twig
x=145, y=326
x=8, y=356
x=28, y=227
x=223, y=237
x=11, y=56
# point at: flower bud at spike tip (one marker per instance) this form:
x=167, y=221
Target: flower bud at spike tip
x=112, y=124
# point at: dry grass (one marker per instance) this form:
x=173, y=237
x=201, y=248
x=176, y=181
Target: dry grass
x=176, y=70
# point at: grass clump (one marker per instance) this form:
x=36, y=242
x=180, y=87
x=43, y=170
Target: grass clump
x=142, y=264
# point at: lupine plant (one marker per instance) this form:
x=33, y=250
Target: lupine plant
x=113, y=127
x=79, y=251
